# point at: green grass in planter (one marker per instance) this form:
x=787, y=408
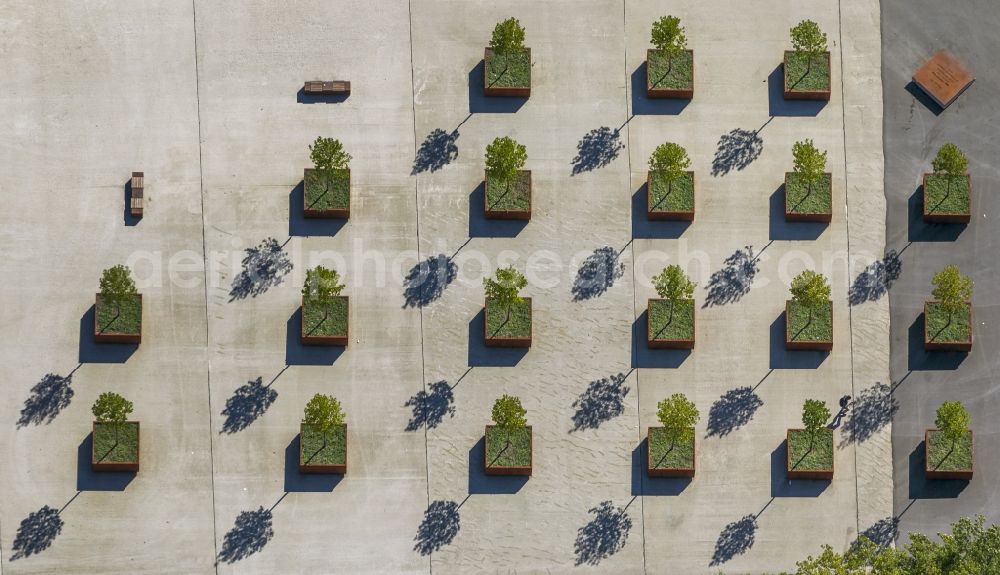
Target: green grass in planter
x=677, y=72
x=676, y=196
x=315, y=453
x=518, y=324
x=663, y=456
x=803, y=199
x=663, y=326
x=328, y=189
x=509, y=71
x=129, y=320
x=123, y=448
x=514, y=195
x=819, y=457
x=945, y=456
x=801, y=75
x=941, y=329
x=947, y=195
x=518, y=454
x=335, y=322
x=801, y=328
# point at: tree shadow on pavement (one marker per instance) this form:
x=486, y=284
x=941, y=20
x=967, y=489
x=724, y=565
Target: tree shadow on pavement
x=604, y=535
x=735, y=539
x=884, y=532
x=603, y=400
x=36, y=533
x=49, y=396
x=875, y=280
x=733, y=410
x=250, y=533
x=598, y=148
x=264, y=266
x=871, y=411
x=736, y=150
x=597, y=273
x=430, y=407
x=733, y=281
x=439, y=527
x=426, y=281
x=436, y=151
x=247, y=403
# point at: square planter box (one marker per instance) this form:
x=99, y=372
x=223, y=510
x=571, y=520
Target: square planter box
x=944, y=345
x=963, y=197
x=508, y=340
x=522, y=91
x=809, y=344
x=99, y=462
x=938, y=473
x=652, y=471
x=305, y=466
x=656, y=210
x=310, y=337
x=792, y=93
x=491, y=469
x=509, y=213
x=653, y=339
x=681, y=93
x=311, y=210
x=795, y=473
x=809, y=216
x=111, y=333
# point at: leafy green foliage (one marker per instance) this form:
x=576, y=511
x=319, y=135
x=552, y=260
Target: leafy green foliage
x=322, y=284
x=505, y=289
x=952, y=289
x=671, y=160
x=809, y=162
x=508, y=36
x=953, y=420
x=814, y=415
x=951, y=161
x=324, y=414
x=111, y=408
x=810, y=289
x=504, y=157
x=677, y=414
x=668, y=35
x=808, y=38
x=508, y=413
x=117, y=284
x=329, y=154
x=673, y=284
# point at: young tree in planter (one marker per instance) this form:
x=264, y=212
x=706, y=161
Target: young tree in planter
x=809, y=163
x=810, y=290
x=504, y=158
x=671, y=161
x=673, y=285
x=322, y=286
x=328, y=154
x=323, y=414
x=677, y=415
x=668, y=37
x=117, y=286
x=508, y=38
x=814, y=416
x=808, y=39
x=505, y=289
x=953, y=420
x=113, y=409
x=508, y=415
x=952, y=290
x=951, y=162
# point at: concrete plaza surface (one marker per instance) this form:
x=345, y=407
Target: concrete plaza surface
x=202, y=97
x=914, y=130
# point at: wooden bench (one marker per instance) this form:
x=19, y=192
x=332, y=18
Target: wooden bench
x=135, y=202
x=321, y=88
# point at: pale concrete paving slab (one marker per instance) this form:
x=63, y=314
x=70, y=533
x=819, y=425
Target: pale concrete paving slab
x=93, y=93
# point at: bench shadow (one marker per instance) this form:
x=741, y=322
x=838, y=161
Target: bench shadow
x=643, y=227
x=479, y=103
x=642, y=105
x=129, y=219
x=642, y=484
x=480, y=227
x=781, y=229
x=90, y=480
x=779, y=106
x=643, y=356
x=93, y=352
x=298, y=225
x=782, y=358
x=482, y=356
x=923, y=98
x=922, y=488
x=480, y=483
x=920, y=231
x=298, y=354
x=919, y=359
x=782, y=486
x=302, y=98
x=296, y=482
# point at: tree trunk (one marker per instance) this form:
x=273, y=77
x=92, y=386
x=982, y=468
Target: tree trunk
x=670, y=318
